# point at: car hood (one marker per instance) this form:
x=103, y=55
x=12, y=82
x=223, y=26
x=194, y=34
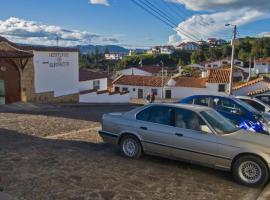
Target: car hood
x=248, y=138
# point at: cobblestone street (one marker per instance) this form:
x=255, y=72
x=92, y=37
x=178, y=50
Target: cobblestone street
x=56, y=153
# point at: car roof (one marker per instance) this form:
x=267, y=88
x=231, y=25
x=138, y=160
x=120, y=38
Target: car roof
x=192, y=107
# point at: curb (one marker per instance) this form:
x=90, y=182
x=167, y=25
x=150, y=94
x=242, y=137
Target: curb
x=265, y=194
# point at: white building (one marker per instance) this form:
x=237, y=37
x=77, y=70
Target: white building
x=223, y=62
x=167, y=50
x=188, y=46
x=113, y=56
x=262, y=66
x=91, y=80
x=56, y=71
x=217, y=82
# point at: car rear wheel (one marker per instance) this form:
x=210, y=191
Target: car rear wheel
x=250, y=171
x=131, y=147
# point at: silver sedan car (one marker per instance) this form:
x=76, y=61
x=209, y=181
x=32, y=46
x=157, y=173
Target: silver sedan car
x=190, y=133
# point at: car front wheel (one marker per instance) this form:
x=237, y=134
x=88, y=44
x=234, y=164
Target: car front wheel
x=250, y=171
x=131, y=147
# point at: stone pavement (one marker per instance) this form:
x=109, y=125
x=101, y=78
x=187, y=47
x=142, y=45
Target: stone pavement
x=57, y=154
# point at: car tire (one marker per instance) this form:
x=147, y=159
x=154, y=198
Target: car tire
x=250, y=171
x=131, y=147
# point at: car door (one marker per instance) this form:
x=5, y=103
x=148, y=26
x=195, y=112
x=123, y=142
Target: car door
x=155, y=129
x=193, y=139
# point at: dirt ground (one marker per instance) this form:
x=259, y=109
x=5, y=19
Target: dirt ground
x=54, y=152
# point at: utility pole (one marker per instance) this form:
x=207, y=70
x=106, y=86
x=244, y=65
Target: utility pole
x=232, y=58
x=162, y=80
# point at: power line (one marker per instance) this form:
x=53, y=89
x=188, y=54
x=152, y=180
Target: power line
x=161, y=18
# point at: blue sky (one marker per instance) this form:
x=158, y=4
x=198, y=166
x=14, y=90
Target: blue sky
x=122, y=22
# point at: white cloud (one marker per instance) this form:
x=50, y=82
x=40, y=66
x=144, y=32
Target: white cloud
x=264, y=34
x=100, y=2
x=174, y=40
x=22, y=31
x=219, y=13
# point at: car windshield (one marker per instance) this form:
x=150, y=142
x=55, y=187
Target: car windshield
x=219, y=123
x=247, y=106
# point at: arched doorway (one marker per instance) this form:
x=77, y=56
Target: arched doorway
x=10, y=76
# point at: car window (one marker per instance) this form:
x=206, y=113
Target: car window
x=254, y=104
x=202, y=101
x=144, y=115
x=227, y=105
x=190, y=120
x=156, y=114
x=161, y=115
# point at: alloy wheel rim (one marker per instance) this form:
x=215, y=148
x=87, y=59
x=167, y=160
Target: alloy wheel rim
x=250, y=172
x=129, y=147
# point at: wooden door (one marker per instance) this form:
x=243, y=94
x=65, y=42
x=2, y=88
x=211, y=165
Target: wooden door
x=10, y=75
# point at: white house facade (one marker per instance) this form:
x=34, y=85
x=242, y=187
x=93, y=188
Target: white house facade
x=262, y=66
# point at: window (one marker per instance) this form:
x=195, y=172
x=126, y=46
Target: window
x=218, y=122
x=124, y=89
x=168, y=94
x=221, y=88
x=202, y=101
x=134, y=89
x=190, y=120
x=228, y=105
x=154, y=91
x=144, y=115
x=157, y=114
x=96, y=84
x=161, y=115
x=255, y=104
x=140, y=93
x=116, y=89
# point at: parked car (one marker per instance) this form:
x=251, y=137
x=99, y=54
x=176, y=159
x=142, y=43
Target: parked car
x=239, y=112
x=191, y=133
x=258, y=105
x=264, y=98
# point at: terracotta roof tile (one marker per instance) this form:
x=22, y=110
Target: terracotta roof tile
x=152, y=81
x=263, y=60
x=190, y=82
x=259, y=91
x=219, y=76
x=154, y=69
x=260, y=79
x=87, y=75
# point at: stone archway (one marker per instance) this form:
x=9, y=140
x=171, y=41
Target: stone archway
x=10, y=74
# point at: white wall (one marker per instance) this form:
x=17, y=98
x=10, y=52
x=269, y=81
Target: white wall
x=104, y=98
x=177, y=92
x=134, y=94
x=134, y=71
x=56, y=72
x=183, y=92
x=261, y=69
x=244, y=90
x=88, y=85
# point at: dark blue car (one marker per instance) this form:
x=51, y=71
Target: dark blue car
x=239, y=112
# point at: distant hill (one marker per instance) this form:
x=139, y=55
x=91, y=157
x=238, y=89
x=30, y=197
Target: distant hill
x=85, y=49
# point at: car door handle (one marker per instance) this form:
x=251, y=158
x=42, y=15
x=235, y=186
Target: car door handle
x=143, y=128
x=179, y=134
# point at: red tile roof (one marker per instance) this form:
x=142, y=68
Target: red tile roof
x=259, y=91
x=190, y=82
x=152, y=81
x=263, y=60
x=260, y=79
x=154, y=69
x=87, y=75
x=219, y=76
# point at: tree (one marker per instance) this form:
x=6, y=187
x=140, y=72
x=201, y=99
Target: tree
x=197, y=57
x=243, y=55
x=106, y=51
